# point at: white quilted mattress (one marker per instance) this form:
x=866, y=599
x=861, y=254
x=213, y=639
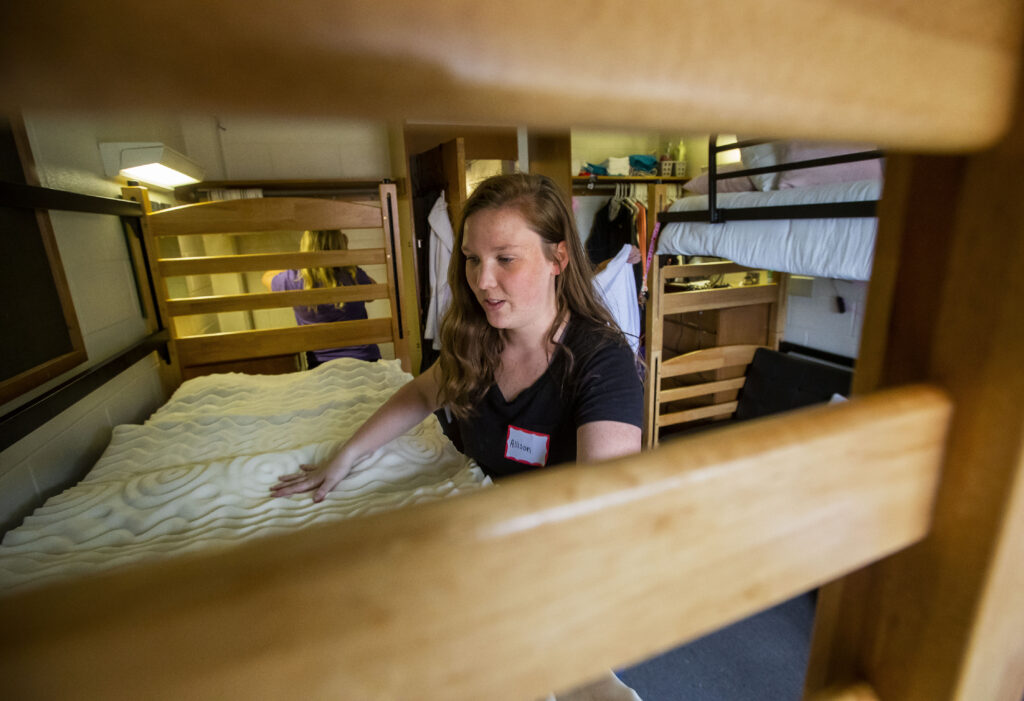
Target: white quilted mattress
x=831, y=248
x=197, y=474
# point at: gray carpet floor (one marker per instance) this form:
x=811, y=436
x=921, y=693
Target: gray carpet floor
x=761, y=658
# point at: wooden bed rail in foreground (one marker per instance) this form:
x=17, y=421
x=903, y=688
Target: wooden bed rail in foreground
x=567, y=572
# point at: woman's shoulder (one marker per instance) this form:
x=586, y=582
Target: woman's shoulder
x=592, y=335
x=594, y=347
x=603, y=370
x=286, y=280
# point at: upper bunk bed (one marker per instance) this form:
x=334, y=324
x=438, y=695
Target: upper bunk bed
x=793, y=207
x=787, y=208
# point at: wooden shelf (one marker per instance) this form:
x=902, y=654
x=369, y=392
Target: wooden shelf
x=589, y=183
x=584, y=179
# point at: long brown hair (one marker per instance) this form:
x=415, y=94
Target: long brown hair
x=471, y=347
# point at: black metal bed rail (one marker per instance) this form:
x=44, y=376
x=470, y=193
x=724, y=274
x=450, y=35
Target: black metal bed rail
x=716, y=215
x=20, y=422
x=35, y=197
x=800, y=165
x=829, y=210
x=834, y=358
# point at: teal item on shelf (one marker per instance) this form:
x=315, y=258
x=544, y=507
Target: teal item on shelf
x=643, y=164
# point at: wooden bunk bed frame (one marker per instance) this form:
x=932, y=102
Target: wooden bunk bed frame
x=748, y=314
x=198, y=354
x=909, y=499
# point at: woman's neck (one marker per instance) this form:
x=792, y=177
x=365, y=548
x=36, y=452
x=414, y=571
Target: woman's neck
x=537, y=336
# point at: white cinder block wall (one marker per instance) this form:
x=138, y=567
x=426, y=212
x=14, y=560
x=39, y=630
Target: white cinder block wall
x=815, y=321
x=96, y=262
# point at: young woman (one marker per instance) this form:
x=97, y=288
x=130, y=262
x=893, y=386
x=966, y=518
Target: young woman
x=531, y=364
x=308, y=278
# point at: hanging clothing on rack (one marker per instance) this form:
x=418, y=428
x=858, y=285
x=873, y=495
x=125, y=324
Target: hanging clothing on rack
x=442, y=240
x=616, y=286
x=609, y=231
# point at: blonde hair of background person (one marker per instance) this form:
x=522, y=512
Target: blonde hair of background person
x=326, y=277
x=319, y=240
x=324, y=240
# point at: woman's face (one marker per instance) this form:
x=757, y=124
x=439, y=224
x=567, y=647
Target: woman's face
x=509, y=271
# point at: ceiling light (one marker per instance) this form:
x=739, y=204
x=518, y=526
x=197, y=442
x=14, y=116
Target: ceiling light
x=151, y=163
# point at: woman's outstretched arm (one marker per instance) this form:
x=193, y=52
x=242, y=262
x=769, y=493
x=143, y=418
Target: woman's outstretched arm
x=405, y=409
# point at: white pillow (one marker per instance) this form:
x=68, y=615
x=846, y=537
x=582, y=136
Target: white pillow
x=760, y=156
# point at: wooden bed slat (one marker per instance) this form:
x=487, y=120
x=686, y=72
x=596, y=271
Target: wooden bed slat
x=704, y=412
x=216, y=348
x=698, y=300
x=400, y=605
x=860, y=691
x=211, y=265
x=270, y=214
x=702, y=269
x=677, y=393
x=244, y=302
x=708, y=359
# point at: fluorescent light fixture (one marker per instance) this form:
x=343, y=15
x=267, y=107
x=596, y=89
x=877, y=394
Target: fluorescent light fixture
x=151, y=163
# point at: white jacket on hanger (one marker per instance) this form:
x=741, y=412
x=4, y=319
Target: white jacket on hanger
x=616, y=287
x=442, y=239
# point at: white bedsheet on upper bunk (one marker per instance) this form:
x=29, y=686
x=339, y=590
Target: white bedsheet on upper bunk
x=832, y=248
x=197, y=473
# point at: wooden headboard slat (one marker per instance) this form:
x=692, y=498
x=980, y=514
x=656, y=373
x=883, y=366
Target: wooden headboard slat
x=209, y=265
x=702, y=269
x=261, y=343
x=269, y=214
x=697, y=300
x=244, y=302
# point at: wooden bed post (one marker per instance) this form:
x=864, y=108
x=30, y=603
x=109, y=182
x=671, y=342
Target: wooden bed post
x=171, y=376
x=140, y=263
x=777, y=311
x=943, y=619
x=657, y=201
x=653, y=322
x=398, y=289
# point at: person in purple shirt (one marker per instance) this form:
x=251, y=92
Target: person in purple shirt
x=309, y=278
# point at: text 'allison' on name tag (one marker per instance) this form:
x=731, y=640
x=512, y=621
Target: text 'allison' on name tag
x=526, y=446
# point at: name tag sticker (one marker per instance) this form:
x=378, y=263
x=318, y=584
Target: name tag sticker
x=526, y=446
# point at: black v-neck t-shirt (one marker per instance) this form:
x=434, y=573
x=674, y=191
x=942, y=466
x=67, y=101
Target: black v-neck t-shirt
x=538, y=427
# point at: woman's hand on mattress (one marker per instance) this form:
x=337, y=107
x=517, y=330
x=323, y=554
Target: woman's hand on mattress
x=406, y=408
x=321, y=478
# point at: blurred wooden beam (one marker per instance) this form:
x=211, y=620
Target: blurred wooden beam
x=943, y=620
x=933, y=76
x=561, y=574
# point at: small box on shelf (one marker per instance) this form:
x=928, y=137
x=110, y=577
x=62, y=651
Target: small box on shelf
x=673, y=169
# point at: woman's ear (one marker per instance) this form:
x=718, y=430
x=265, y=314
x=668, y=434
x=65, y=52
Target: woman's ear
x=562, y=256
